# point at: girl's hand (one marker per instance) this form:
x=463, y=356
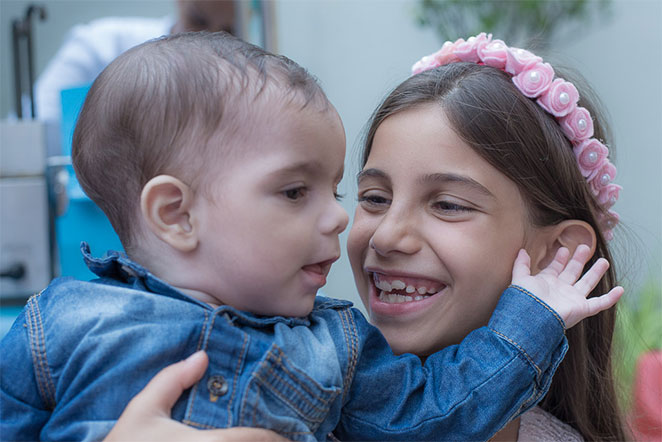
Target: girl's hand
x=560, y=287
x=147, y=416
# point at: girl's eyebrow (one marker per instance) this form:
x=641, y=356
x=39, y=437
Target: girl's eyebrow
x=432, y=178
x=443, y=178
x=371, y=173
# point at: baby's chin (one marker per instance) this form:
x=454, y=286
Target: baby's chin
x=303, y=307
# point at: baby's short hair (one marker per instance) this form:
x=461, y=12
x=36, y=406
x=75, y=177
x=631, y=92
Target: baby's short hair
x=154, y=109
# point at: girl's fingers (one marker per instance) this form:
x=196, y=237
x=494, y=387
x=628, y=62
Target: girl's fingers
x=575, y=266
x=604, y=302
x=592, y=277
x=558, y=263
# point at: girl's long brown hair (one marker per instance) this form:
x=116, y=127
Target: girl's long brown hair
x=527, y=145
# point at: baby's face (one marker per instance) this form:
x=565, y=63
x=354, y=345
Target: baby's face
x=269, y=231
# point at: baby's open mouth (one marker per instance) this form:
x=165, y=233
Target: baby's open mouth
x=321, y=268
x=395, y=290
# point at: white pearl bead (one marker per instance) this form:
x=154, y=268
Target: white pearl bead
x=610, y=224
x=424, y=59
x=534, y=77
x=604, y=179
x=564, y=98
x=593, y=157
x=612, y=200
x=582, y=124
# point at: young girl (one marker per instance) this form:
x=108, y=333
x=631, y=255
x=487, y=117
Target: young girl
x=504, y=111
x=464, y=163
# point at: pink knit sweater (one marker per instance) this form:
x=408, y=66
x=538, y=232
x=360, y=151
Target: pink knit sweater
x=536, y=425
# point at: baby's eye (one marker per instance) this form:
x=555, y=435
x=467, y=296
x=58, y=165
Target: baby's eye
x=295, y=193
x=338, y=196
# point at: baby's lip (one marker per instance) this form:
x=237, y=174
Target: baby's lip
x=322, y=267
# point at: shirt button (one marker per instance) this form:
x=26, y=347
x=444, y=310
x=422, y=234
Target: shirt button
x=217, y=386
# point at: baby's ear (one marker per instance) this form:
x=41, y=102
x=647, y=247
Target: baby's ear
x=569, y=234
x=165, y=203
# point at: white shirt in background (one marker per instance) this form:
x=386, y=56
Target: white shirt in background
x=87, y=50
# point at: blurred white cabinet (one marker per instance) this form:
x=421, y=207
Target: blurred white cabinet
x=24, y=226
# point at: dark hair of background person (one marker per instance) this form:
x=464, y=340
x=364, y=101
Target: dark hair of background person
x=205, y=15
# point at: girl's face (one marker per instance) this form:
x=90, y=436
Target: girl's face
x=435, y=233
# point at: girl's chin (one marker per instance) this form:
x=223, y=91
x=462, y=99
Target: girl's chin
x=405, y=342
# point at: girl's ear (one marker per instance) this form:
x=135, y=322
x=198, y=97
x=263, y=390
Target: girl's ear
x=165, y=203
x=569, y=234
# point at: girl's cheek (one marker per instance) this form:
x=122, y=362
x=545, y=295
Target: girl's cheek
x=355, y=240
x=360, y=232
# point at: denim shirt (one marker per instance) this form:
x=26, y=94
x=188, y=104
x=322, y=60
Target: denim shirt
x=80, y=351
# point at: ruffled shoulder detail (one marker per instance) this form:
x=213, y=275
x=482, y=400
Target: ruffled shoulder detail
x=537, y=425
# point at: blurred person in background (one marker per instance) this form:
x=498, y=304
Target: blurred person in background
x=90, y=47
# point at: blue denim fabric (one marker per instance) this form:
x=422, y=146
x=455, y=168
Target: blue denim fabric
x=81, y=350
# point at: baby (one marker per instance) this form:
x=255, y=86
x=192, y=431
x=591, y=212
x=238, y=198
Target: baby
x=217, y=164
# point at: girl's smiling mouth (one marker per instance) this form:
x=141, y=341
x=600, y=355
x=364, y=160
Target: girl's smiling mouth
x=397, y=294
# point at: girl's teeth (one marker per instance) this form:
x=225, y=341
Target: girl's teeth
x=384, y=285
x=394, y=298
x=398, y=285
x=386, y=288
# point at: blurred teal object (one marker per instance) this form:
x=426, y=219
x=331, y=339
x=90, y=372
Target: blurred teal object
x=82, y=220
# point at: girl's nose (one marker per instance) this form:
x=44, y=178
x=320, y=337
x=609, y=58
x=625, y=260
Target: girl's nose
x=396, y=233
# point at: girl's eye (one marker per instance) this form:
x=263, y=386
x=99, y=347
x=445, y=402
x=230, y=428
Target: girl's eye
x=373, y=200
x=450, y=207
x=294, y=194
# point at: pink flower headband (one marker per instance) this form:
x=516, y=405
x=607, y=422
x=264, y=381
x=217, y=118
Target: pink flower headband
x=535, y=79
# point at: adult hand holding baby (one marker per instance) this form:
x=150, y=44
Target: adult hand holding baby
x=147, y=417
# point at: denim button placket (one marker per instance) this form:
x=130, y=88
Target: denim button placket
x=217, y=386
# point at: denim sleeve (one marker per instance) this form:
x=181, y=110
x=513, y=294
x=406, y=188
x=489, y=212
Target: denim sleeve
x=463, y=392
x=22, y=411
